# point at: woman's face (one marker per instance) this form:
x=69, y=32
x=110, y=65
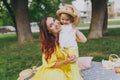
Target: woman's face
x=53, y=25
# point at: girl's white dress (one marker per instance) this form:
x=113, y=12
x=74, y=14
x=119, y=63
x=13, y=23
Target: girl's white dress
x=68, y=43
x=67, y=36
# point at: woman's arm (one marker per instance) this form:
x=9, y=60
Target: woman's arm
x=69, y=59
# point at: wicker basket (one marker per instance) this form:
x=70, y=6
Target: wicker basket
x=115, y=58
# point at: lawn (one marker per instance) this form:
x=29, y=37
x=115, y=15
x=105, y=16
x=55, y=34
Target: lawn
x=15, y=57
x=114, y=22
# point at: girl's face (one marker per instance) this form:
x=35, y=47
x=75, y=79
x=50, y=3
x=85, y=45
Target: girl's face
x=53, y=25
x=64, y=19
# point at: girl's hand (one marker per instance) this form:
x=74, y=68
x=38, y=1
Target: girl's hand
x=74, y=8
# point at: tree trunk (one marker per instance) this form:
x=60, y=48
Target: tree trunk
x=23, y=25
x=104, y=30
x=98, y=12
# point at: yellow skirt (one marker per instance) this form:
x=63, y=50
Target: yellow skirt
x=51, y=74
x=74, y=67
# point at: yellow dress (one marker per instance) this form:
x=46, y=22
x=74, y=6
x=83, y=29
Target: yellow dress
x=46, y=72
x=74, y=66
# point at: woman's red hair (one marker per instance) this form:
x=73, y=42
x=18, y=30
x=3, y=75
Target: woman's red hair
x=47, y=39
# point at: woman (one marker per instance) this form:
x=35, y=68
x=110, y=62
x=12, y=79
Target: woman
x=56, y=65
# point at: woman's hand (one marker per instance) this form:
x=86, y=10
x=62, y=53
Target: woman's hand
x=71, y=59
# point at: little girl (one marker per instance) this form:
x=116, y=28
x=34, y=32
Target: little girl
x=69, y=18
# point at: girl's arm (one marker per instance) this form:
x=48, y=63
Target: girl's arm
x=76, y=12
x=80, y=37
x=77, y=18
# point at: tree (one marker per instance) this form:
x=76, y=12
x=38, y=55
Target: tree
x=104, y=30
x=98, y=19
x=10, y=12
x=66, y=1
x=20, y=8
x=5, y=18
x=41, y=8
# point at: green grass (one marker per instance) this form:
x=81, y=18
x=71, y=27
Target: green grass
x=116, y=22
x=15, y=57
x=102, y=48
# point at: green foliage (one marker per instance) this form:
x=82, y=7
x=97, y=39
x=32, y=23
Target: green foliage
x=66, y=1
x=41, y=8
x=5, y=18
x=37, y=10
x=110, y=3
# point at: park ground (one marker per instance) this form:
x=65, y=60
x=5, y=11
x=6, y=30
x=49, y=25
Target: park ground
x=15, y=57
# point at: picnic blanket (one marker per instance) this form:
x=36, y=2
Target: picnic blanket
x=97, y=72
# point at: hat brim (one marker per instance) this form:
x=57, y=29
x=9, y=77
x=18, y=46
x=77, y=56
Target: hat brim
x=64, y=11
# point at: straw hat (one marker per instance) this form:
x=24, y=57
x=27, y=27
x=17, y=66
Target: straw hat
x=26, y=74
x=67, y=10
